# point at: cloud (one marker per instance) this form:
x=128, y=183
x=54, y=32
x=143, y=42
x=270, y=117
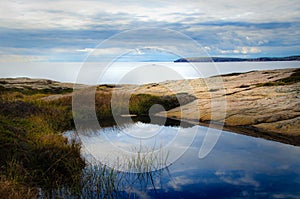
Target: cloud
x=21, y=58
x=237, y=178
x=100, y=51
x=241, y=50
x=233, y=28
x=179, y=181
x=20, y=55
x=82, y=14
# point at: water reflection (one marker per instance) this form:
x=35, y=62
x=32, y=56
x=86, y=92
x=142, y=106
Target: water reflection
x=136, y=147
x=238, y=167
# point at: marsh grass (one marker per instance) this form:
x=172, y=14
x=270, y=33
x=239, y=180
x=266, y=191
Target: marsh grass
x=101, y=181
x=29, y=91
x=135, y=104
x=34, y=154
x=147, y=159
x=14, y=190
x=140, y=104
x=33, y=151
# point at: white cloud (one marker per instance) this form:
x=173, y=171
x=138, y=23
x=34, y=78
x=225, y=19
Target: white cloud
x=246, y=50
x=207, y=48
x=117, y=51
x=231, y=178
x=21, y=58
x=223, y=27
x=78, y=14
x=139, y=51
x=242, y=50
x=20, y=55
x=102, y=51
x=180, y=181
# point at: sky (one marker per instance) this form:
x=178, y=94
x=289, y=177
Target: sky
x=79, y=31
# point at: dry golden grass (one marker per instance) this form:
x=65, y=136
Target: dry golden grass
x=13, y=190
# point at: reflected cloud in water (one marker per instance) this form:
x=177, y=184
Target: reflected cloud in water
x=238, y=166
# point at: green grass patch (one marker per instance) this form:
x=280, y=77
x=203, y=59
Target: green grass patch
x=33, y=151
x=136, y=104
x=30, y=91
x=140, y=104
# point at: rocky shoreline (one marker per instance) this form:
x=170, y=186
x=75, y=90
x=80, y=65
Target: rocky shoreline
x=258, y=103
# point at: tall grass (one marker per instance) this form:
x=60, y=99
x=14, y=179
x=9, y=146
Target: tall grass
x=140, y=104
x=10, y=189
x=33, y=151
x=135, y=104
x=34, y=154
x=101, y=181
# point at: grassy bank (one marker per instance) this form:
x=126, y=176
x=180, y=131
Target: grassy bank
x=33, y=151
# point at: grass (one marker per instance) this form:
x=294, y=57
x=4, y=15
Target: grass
x=293, y=78
x=140, y=104
x=136, y=104
x=34, y=154
x=30, y=91
x=101, y=181
x=14, y=190
x=146, y=160
x=33, y=151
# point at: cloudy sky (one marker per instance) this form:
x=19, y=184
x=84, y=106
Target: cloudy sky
x=68, y=31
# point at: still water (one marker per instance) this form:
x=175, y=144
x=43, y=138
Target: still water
x=134, y=72
x=238, y=166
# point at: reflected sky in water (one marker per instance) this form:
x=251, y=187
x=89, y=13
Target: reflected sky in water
x=239, y=166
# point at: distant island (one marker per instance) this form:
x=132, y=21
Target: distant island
x=233, y=59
